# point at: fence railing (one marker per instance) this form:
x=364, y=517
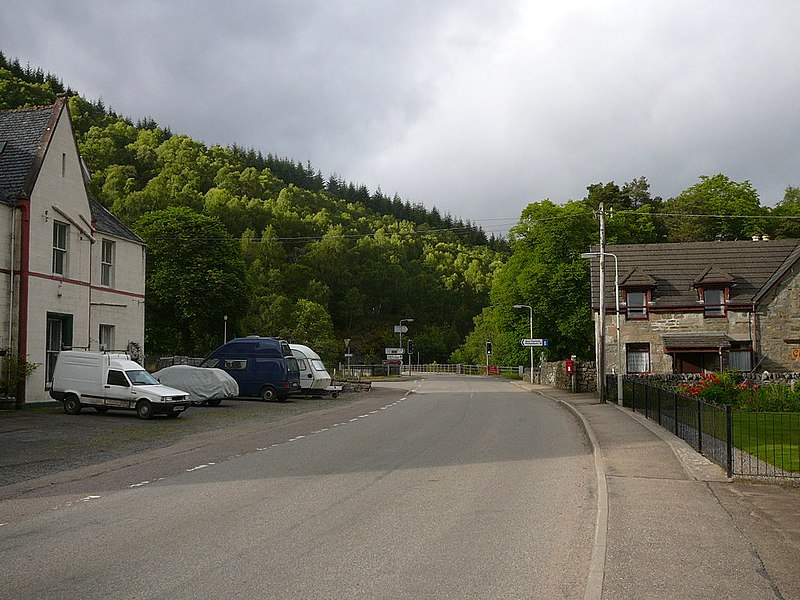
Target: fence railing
x=745, y=444
x=455, y=369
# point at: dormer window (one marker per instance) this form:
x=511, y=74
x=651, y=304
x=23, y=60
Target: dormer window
x=637, y=291
x=636, y=303
x=712, y=286
x=714, y=303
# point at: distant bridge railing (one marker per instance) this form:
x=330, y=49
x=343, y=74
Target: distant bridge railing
x=454, y=369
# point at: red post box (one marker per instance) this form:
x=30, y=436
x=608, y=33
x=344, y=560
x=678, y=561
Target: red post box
x=569, y=364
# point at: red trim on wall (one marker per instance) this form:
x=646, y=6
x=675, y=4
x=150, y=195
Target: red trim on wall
x=24, y=285
x=85, y=284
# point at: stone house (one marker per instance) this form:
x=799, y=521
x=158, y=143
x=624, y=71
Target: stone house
x=71, y=274
x=701, y=307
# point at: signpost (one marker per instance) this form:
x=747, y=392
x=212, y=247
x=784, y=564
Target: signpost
x=394, y=350
x=535, y=342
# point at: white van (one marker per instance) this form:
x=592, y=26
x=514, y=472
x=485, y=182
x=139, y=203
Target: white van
x=314, y=377
x=105, y=381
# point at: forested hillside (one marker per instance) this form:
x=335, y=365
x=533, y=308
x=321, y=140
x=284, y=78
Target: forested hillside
x=271, y=244
x=282, y=250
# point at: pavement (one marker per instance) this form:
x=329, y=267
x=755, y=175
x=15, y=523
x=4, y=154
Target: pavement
x=671, y=524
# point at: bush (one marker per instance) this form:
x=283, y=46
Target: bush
x=723, y=389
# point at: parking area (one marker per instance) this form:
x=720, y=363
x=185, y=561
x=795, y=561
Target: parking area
x=39, y=441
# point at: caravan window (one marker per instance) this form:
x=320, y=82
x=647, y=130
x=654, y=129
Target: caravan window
x=317, y=364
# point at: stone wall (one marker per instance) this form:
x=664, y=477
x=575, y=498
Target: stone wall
x=781, y=307
x=555, y=374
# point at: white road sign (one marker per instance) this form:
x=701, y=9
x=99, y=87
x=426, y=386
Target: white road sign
x=394, y=357
x=395, y=351
x=534, y=342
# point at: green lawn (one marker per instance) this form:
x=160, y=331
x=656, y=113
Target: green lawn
x=771, y=437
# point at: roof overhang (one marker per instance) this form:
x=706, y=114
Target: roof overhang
x=696, y=342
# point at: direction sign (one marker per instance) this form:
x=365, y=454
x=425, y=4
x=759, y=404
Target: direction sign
x=394, y=357
x=395, y=350
x=400, y=329
x=535, y=342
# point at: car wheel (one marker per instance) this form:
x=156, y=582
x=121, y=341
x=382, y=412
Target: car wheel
x=101, y=409
x=144, y=409
x=268, y=394
x=335, y=395
x=214, y=402
x=72, y=406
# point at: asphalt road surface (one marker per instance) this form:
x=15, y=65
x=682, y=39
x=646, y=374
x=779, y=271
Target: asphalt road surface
x=463, y=488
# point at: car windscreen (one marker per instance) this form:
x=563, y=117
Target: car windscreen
x=141, y=377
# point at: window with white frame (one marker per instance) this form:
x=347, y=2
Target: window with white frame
x=636, y=303
x=107, y=263
x=638, y=357
x=714, y=303
x=106, y=337
x=60, y=241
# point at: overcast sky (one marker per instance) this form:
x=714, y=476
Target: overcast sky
x=477, y=107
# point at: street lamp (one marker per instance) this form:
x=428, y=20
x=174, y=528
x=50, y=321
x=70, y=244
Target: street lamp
x=531, y=323
x=400, y=331
x=616, y=294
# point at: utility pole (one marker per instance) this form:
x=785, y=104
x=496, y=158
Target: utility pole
x=601, y=317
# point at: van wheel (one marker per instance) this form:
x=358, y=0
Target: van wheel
x=144, y=409
x=72, y=406
x=214, y=402
x=268, y=394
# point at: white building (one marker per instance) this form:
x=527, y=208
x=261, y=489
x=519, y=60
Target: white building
x=71, y=274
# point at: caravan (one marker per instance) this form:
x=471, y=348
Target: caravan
x=314, y=377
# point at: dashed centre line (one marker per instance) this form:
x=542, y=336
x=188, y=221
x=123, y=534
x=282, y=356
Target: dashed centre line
x=260, y=449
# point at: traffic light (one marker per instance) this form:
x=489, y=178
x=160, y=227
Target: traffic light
x=410, y=346
x=488, y=347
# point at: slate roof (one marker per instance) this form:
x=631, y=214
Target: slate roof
x=107, y=223
x=695, y=341
x=23, y=131
x=677, y=269
x=24, y=135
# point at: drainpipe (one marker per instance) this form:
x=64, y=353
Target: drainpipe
x=11, y=252
x=24, y=275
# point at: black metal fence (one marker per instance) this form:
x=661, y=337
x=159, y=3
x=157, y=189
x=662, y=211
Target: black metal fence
x=746, y=444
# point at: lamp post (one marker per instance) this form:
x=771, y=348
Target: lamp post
x=616, y=294
x=530, y=308
x=400, y=331
x=225, y=329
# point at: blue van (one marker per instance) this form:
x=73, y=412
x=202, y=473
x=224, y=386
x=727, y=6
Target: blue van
x=262, y=366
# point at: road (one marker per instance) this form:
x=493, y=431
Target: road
x=462, y=488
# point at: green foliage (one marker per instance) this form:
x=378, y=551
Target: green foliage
x=15, y=372
x=15, y=93
x=195, y=276
x=716, y=195
x=789, y=209
x=322, y=259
